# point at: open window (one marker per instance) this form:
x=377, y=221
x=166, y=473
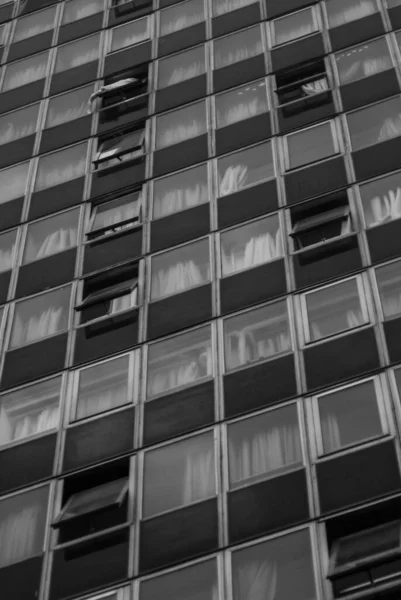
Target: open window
x=121, y=147
x=121, y=88
x=115, y=215
x=128, y=7
x=302, y=87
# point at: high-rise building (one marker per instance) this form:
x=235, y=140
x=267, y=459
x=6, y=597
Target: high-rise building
x=200, y=300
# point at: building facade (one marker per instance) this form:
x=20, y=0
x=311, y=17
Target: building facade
x=200, y=299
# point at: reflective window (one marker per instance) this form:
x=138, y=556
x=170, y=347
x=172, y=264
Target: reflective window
x=49, y=236
x=221, y=7
x=389, y=283
x=309, y=145
x=294, y=26
x=242, y=103
x=181, y=67
x=363, y=61
x=130, y=34
x=19, y=124
x=375, y=124
x=340, y=12
x=7, y=250
x=34, y=24
x=181, y=125
x=180, y=191
x=80, y=9
x=68, y=107
x=237, y=47
x=25, y=71
x=181, y=16
x=381, y=200
x=244, y=168
x=13, y=182
x=77, y=53
x=197, y=582
x=61, y=166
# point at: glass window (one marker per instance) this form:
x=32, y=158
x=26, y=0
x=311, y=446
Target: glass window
x=251, y=245
x=247, y=167
x=77, y=53
x=180, y=191
x=49, y=236
x=242, y=103
x=257, y=335
x=103, y=387
x=268, y=444
x=181, y=67
x=116, y=215
x=321, y=223
x=294, y=26
x=310, y=145
x=280, y=568
x=181, y=16
x=340, y=12
x=34, y=24
x=22, y=526
x=19, y=124
x=130, y=34
x=13, y=182
x=181, y=125
x=375, y=124
x=25, y=71
x=363, y=61
x=392, y=3
x=221, y=7
x=68, y=107
x=237, y=47
x=397, y=375
x=381, y=200
x=180, y=269
x=180, y=361
x=307, y=81
x=3, y=36
x=40, y=316
x=30, y=411
x=335, y=308
x=128, y=145
x=197, y=582
x=389, y=284
x=80, y=9
x=7, y=250
x=179, y=474
x=349, y=416
x=61, y=166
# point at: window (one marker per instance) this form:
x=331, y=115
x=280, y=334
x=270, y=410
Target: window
x=34, y=24
x=389, y=283
x=103, y=387
x=242, y=103
x=295, y=25
x=363, y=61
x=197, y=582
x=340, y=12
x=7, y=250
x=306, y=82
x=375, y=124
x=77, y=53
x=26, y=6
x=185, y=14
x=40, y=316
x=180, y=191
x=279, y=568
x=130, y=34
x=19, y=124
x=251, y=245
x=116, y=215
x=50, y=236
x=3, y=32
x=22, y=526
x=256, y=335
x=264, y=445
x=237, y=47
x=30, y=411
x=125, y=146
x=179, y=474
x=381, y=200
x=180, y=361
x=181, y=125
x=221, y=7
x=25, y=71
x=61, y=166
x=247, y=167
x=334, y=309
x=180, y=269
x=310, y=145
x=68, y=107
x=393, y=3
x=181, y=67
x=80, y=9
x=13, y=182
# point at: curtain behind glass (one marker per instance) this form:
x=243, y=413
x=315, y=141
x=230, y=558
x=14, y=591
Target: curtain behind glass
x=77, y=53
x=181, y=125
x=19, y=124
x=363, y=61
x=180, y=191
x=186, y=14
x=244, y=168
x=61, y=166
x=13, y=182
x=80, y=9
x=294, y=26
x=240, y=104
x=68, y=107
x=129, y=34
x=34, y=24
x=7, y=250
x=237, y=47
x=181, y=67
x=375, y=124
x=340, y=12
x=381, y=200
x=25, y=71
x=220, y=7
x=110, y=214
x=50, y=236
x=389, y=284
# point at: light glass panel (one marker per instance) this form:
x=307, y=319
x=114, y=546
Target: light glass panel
x=181, y=125
x=363, y=61
x=244, y=168
x=181, y=67
x=130, y=34
x=19, y=124
x=389, y=284
x=50, y=236
x=340, y=12
x=181, y=269
x=13, y=182
x=7, y=250
x=375, y=124
x=25, y=71
x=257, y=335
x=116, y=214
x=80, y=9
x=59, y=167
x=181, y=16
x=221, y=7
x=294, y=26
x=197, y=582
x=309, y=145
x=34, y=24
x=3, y=31
x=179, y=474
x=180, y=191
x=237, y=47
x=68, y=107
x=180, y=361
x=77, y=53
x=30, y=411
x=381, y=200
x=393, y=3
x=242, y=103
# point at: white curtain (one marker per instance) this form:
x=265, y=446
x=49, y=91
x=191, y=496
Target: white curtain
x=242, y=111
x=233, y=179
x=364, y=68
x=315, y=87
x=15, y=132
x=181, y=372
x=35, y=328
x=18, y=533
x=77, y=54
x=48, y=176
x=331, y=432
x=258, y=250
x=116, y=215
x=179, y=133
x=181, y=21
x=6, y=258
x=74, y=11
x=124, y=302
x=199, y=477
x=385, y=208
x=391, y=128
x=220, y=7
x=223, y=59
x=357, y=10
x=101, y=396
x=36, y=422
x=57, y=241
x=180, y=199
x=256, y=580
x=352, y=318
x=244, y=347
x=293, y=34
x=59, y=116
x=176, y=279
x=391, y=304
x=24, y=75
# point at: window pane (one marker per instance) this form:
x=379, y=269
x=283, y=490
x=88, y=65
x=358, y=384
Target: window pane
x=392, y=3
x=281, y=568
x=68, y=107
x=34, y=24
x=349, y=416
x=25, y=71
x=180, y=191
x=237, y=47
x=125, y=146
x=179, y=474
x=19, y=124
x=220, y=7
x=389, y=284
x=179, y=17
x=49, y=236
x=256, y=335
x=79, y=9
x=340, y=12
x=129, y=34
x=375, y=124
x=40, y=316
x=334, y=309
x=251, y=245
x=181, y=125
x=103, y=387
x=118, y=213
x=7, y=250
x=363, y=61
x=13, y=182
x=77, y=53
x=294, y=26
x=61, y=166
x=197, y=582
x=181, y=67
x=397, y=374
x=180, y=270
x=22, y=526
x=180, y=361
x=381, y=200
x=269, y=443
x=241, y=103
x=244, y=168
x=29, y=411
x=310, y=145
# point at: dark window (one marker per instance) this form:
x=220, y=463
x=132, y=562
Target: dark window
x=301, y=82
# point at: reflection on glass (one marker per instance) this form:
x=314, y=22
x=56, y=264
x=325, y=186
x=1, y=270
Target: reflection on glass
x=34, y=24
x=241, y=103
x=25, y=71
x=59, y=167
x=186, y=14
x=197, y=582
x=375, y=124
x=340, y=12
x=381, y=200
x=129, y=34
x=181, y=125
x=68, y=107
x=19, y=124
x=80, y=9
x=237, y=47
x=309, y=145
x=181, y=67
x=13, y=182
x=244, y=168
x=389, y=284
x=180, y=191
x=52, y=235
x=294, y=26
x=363, y=61
x=77, y=53
x=221, y=7
x=7, y=250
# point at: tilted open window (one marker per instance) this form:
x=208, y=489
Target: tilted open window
x=116, y=215
x=121, y=88
x=302, y=87
x=126, y=145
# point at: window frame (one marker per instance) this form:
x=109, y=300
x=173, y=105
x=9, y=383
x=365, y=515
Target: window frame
x=47, y=104
x=361, y=203
x=109, y=33
x=315, y=20
x=319, y=71
x=170, y=57
x=262, y=82
x=336, y=138
x=213, y=42
x=29, y=15
x=102, y=156
x=107, y=232
x=158, y=18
